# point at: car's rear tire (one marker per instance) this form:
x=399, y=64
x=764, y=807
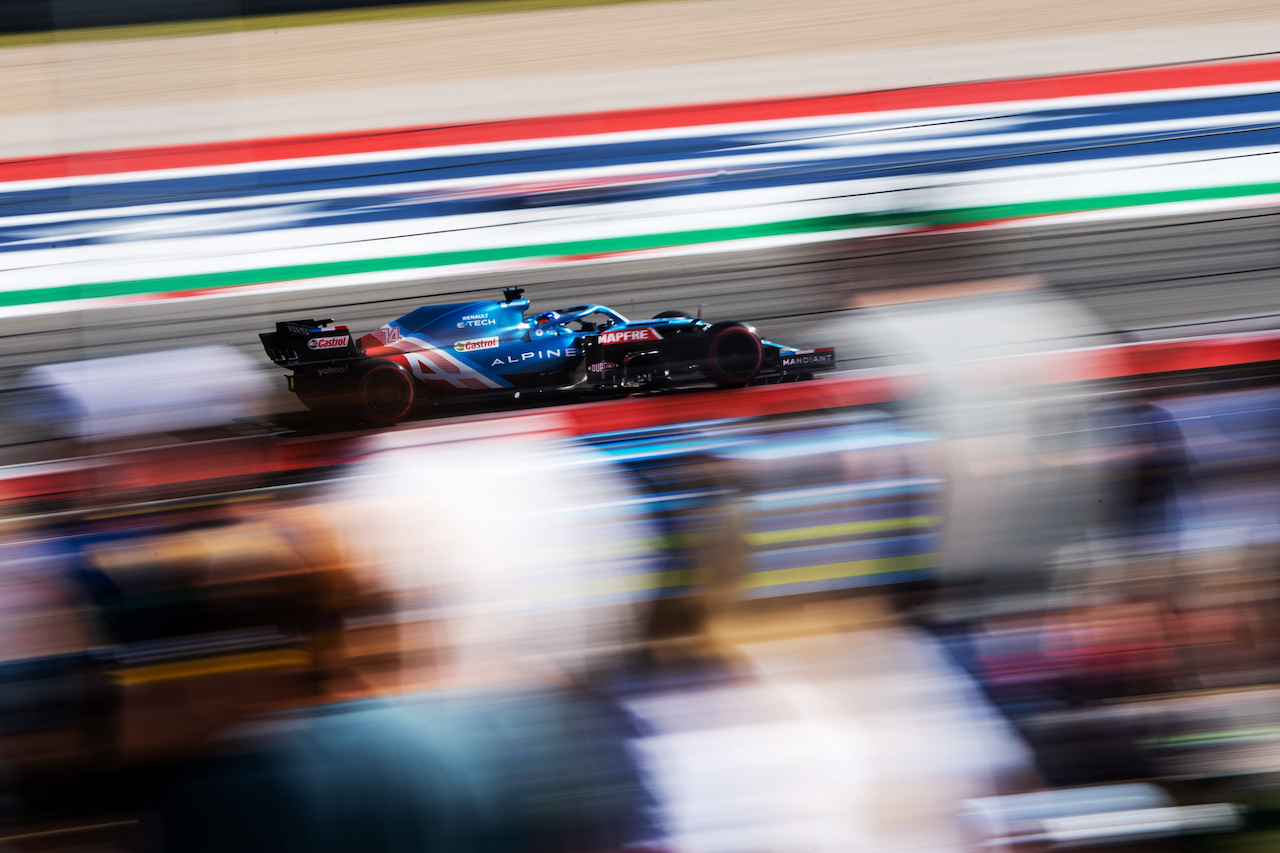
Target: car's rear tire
x=321, y=394
x=318, y=401
x=384, y=393
x=734, y=354
x=673, y=315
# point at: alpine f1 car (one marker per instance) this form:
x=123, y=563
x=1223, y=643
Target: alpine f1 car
x=491, y=348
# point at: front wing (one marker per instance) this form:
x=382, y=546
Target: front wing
x=806, y=360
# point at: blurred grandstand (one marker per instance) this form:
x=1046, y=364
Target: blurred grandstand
x=662, y=550
x=26, y=16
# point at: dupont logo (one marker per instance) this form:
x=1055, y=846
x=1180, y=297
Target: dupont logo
x=337, y=342
x=630, y=336
x=602, y=366
x=473, y=345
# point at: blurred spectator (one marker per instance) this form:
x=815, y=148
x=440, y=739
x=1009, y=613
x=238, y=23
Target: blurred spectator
x=55, y=703
x=504, y=749
x=1150, y=470
x=802, y=723
x=481, y=771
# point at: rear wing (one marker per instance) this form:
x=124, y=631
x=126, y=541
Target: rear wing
x=297, y=342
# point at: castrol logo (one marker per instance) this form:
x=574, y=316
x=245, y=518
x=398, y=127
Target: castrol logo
x=477, y=343
x=630, y=336
x=337, y=342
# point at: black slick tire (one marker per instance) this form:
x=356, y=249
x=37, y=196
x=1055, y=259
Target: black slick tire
x=319, y=402
x=384, y=393
x=734, y=354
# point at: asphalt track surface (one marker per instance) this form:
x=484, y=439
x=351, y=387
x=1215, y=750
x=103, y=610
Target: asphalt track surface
x=1153, y=278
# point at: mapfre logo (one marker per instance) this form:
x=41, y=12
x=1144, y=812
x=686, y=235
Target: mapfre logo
x=478, y=343
x=630, y=336
x=337, y=342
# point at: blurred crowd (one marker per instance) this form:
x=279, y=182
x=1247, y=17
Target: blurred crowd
x=722, y=639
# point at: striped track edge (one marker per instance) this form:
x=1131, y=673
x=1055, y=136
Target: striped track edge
x=364, y=142
x=141, y=471
x=122, y=294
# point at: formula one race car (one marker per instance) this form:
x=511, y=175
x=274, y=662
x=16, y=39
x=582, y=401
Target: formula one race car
x=490, y=348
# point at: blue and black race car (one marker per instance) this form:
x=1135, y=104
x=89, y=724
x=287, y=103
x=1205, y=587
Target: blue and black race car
x=491, y=348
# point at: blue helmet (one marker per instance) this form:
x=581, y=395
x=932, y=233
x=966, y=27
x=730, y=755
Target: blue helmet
x=546, y=317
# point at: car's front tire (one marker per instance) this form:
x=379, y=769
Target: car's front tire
x=734, y=354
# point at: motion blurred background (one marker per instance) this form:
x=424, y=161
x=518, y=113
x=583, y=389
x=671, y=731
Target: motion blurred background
x=1008, y=579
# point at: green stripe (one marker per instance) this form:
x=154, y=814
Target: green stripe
x=1083, y=205
x=240, y=278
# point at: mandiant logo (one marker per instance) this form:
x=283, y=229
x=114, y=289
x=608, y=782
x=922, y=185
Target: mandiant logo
x=805, y=357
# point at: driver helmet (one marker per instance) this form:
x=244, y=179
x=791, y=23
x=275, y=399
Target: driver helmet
x=545, y=317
